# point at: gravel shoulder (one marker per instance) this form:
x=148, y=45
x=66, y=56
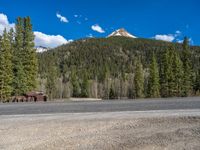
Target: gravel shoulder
x=168, y=129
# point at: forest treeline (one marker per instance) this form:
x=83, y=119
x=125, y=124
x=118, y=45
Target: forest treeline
x=109, y=68
x=120, y=67
x=18, y=60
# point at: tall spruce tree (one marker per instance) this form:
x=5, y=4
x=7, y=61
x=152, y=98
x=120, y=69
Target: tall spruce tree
x=154, y=83
x=29, y=55
x=139, y=79
x=187, y=75
x=6, y=74
x=164, y=75
x=19, y=82
x=25, y=59
x=170, y=72
x=178, y=74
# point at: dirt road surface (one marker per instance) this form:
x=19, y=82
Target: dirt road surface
x=146, y=130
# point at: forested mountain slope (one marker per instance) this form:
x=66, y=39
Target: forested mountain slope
x=107, y=64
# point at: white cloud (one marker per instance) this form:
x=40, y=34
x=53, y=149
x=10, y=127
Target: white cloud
x=3, y=19
x=90, y=36
x=168, y=38
x=178, y=32
x=51, y=41
x=41, y=39
x=62, y=18
x=4, y=23
x=179, y=41
x=177, y=37
x=97, y=28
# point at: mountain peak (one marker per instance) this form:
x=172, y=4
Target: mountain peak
x=41, y=49
x=122, y=32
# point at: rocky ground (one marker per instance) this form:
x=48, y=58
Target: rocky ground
x=88, y=131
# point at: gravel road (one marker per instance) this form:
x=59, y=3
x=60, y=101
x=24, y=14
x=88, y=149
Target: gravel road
x=147, y=130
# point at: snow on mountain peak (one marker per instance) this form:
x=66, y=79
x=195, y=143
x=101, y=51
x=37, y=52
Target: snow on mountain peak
x=41, y=49
x=121, y=32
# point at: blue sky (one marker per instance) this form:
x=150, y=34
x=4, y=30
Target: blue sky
x=57, y=21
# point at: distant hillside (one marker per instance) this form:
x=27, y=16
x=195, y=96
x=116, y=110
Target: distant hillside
x=94, y=58
x=114, y=52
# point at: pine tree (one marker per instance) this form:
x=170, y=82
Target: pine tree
x=19, y=82
x=178, y=74
x=24, y=59
x=170, y=72
x=85, y=87
x=187, y=75
x=6, y=74
x=30, y=59
x=139, y=80
x=164, y=75
x=75, y=84
x=51, y=81
x=154, y=84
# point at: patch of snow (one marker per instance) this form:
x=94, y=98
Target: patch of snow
x=41, y=49
x=121, y=32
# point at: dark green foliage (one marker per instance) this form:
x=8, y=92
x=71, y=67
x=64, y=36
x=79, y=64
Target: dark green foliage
x=171, y=74
x=19, y=81
x=51, y=81
x=187, y=74
x=6, y=74
x=178, y=75
x=84, y=88
x=98, y=55
x=18, y=68
x=24, y=58
x=18, y=65
x=29, y=55
x=164, y=75
x=139, y=80
x=154, y=83
x=51, y=76
x=75, y=84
